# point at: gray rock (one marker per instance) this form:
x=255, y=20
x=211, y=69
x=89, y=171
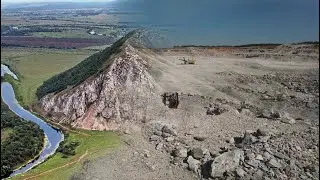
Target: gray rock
x=265, y=114
x=193, y=164
x=267, y=155
x=259, y=157
x=147, y=153
x=154, y=138
x=275, y=115
x=240, y=172
x=254, y=163
x=170, y=139
x=228, y=161
x=264, y=139
x=158, y=133
x=288, y=119
x=170, y=130
x=165, y=135
x=180, y=152
x=311, y=105
x=250, y=156
x=157, y=126
x=159, y=146
x=197, y=153
x=246, y=112
x=281, y=156
x=231, y=140
x=273, y=163
x=200, y=138
x=261, y=132
x=258, y=174
x=248, y=138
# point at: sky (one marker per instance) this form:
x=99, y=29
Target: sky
x=217, y=22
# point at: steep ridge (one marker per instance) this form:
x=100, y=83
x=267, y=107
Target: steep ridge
x=120, y=91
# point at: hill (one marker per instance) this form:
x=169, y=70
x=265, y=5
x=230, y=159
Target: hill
x=82, y=71
x=233, y=102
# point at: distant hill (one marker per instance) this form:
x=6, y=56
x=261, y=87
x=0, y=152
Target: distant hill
x=250, y=45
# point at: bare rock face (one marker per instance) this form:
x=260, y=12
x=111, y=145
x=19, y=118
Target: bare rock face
x=102, y=102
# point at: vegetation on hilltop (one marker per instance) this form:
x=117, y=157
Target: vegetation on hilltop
x=82, y=71
x=23, y=143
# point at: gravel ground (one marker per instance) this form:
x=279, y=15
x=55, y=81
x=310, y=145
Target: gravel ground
x=223, y=101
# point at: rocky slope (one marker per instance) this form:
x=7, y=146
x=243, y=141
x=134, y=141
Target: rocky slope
x=105, y=100
x=237, y=117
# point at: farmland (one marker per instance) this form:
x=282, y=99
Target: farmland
x=61, y=28
x=34, y=65
x=71, y=43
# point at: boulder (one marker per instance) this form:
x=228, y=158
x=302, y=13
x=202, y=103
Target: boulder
x=165, y=135
x=180, y=152
x=227, y=161
x=240, y=172
x=169, y=130
x=265, y=114
x=248, y=138
x=193, y=164
x=200, y=138
x=159, y=146
x=261, y=132
x=246, y=112
x=273, y=163
x=170, y=139
x=287, y=119
x=259, y=157
x=197, y=153
x=154, y=138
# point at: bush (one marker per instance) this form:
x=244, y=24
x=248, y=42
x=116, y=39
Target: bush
x=68, y=149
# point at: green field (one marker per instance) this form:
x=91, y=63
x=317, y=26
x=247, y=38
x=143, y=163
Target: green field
x=33, y=66
x=92, y=145
x=66, y=34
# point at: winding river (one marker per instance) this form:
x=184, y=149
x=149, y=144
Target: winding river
x=53, y=136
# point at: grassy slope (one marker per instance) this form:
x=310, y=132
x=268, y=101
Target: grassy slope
x=33, y=66
x=95, y=143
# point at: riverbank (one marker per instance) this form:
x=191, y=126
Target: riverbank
x=25, y=136
x=45, y=143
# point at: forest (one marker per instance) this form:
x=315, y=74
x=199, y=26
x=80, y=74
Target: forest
x=24, y=142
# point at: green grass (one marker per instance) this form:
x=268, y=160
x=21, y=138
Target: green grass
x=66, y=34
x=5, y=133
x=33, y=66
x=95, y=143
